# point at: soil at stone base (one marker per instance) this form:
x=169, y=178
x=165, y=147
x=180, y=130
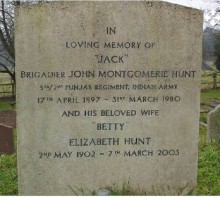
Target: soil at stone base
x=8, y=118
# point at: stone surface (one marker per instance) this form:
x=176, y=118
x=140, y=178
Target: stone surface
x=6, y=140
x=103, y=192
x=107, y=96
x=214, y=124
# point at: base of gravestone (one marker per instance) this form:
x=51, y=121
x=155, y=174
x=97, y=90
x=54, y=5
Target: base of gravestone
x=103, y=192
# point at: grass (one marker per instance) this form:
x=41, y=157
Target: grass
x=8, y=172
x=5, y=106
x=8, y=175
x=203, y=118
x=209, y=153
x=210, y=96
x=208, y=164
x=8, y=165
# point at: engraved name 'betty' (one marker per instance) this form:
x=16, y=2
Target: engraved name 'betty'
x=110, y=74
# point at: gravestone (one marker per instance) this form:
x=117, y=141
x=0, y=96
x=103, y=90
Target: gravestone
x=107, y=97
x=213, y=124
x=6, y=140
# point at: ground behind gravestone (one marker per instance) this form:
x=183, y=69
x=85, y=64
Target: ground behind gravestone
x=8, y=118
x=208, y=167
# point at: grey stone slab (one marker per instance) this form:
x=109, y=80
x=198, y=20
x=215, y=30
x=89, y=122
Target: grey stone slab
x=107, y=97
x=213, y=123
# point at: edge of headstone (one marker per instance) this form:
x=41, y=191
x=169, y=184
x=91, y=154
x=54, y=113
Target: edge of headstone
x=209, y=139
x=55, y=1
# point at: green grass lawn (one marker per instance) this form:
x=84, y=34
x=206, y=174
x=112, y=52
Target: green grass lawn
x=5, y=106
x=208, y=164
x=8, y=165
x=8, y=175
x=210, y=96
x=209, y=153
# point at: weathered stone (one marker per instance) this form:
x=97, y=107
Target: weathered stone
x=107, y=96
x=6, y=140
x=103, y=192
x=214, y=124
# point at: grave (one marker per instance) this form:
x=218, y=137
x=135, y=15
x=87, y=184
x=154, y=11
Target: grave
x=8, y=118
x=6, y=140
x=213, y=126
x=108, y=96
